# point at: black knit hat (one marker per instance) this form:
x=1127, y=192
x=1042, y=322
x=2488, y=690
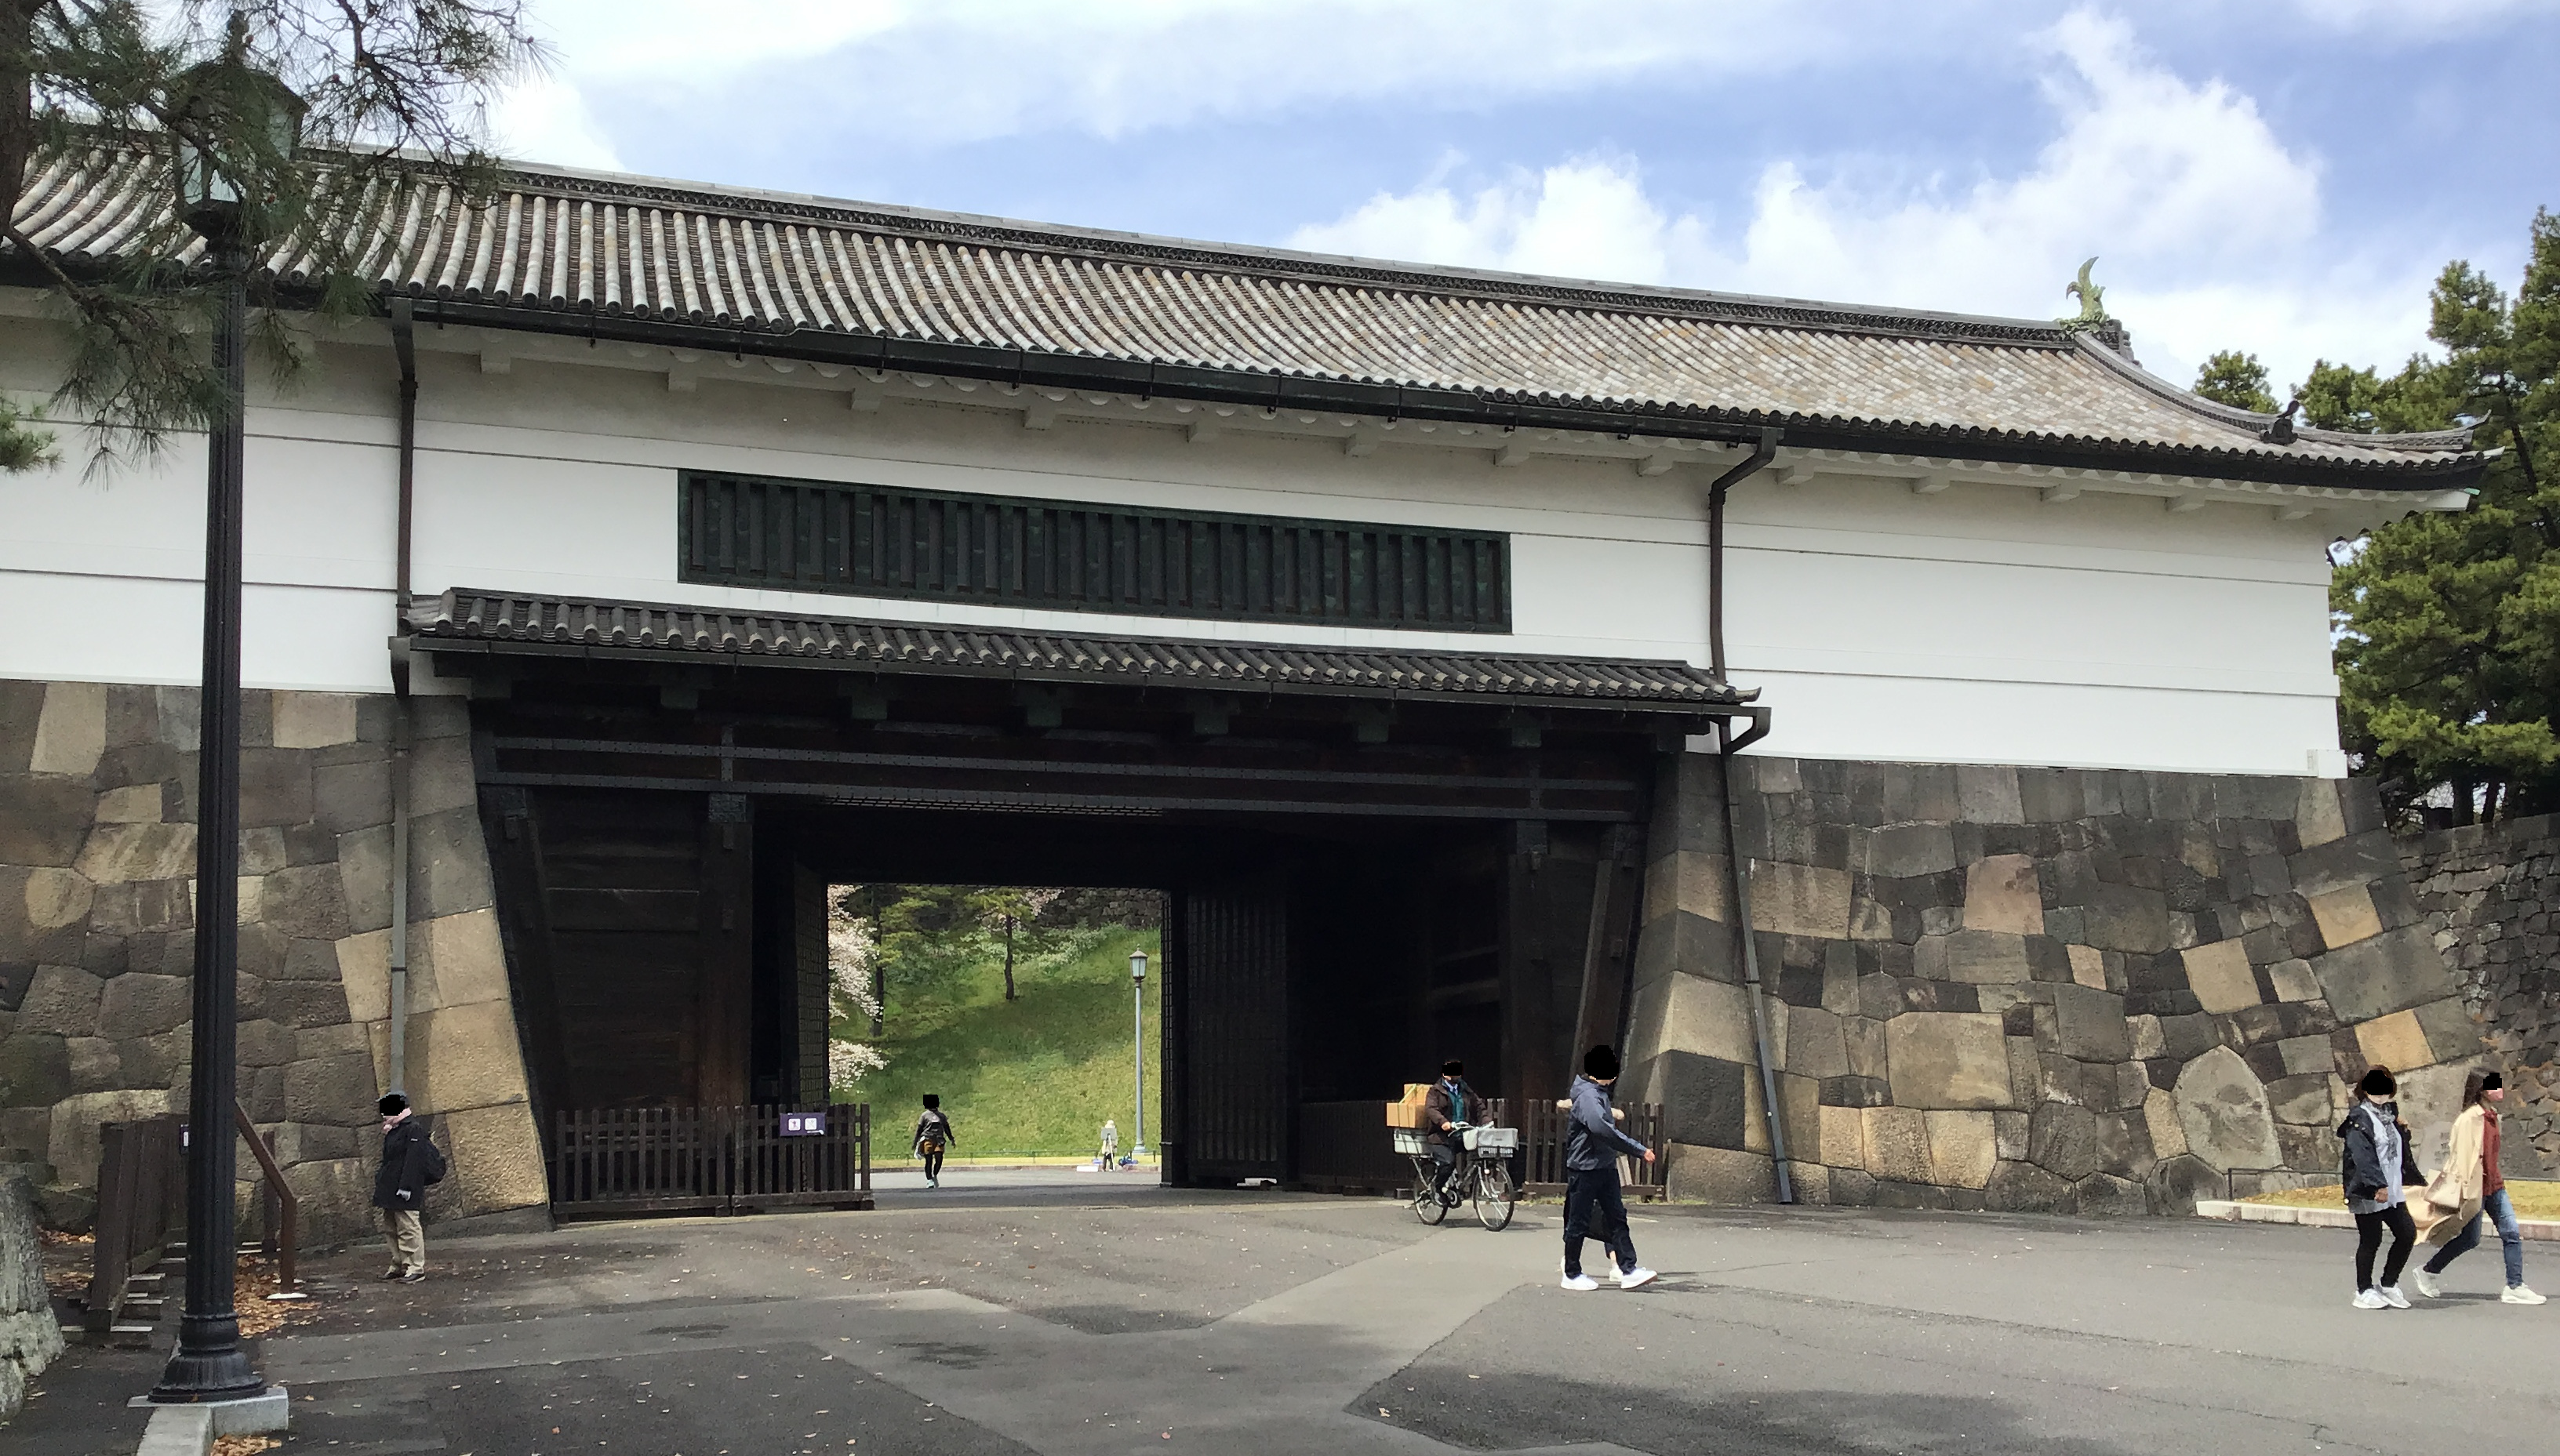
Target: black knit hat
x=1600, y=1063
x=1453, y=1068
x=2377, y=1083
x=392, y=1104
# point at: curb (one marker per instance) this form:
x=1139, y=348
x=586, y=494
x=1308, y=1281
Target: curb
x=2229, y=1212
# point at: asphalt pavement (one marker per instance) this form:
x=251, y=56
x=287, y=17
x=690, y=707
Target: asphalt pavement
x=1056, y=1313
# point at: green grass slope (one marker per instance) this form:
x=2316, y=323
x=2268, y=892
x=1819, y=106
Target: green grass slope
x=1036, y=1074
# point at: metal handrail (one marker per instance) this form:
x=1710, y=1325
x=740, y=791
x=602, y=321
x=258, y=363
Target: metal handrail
x=283, y=1234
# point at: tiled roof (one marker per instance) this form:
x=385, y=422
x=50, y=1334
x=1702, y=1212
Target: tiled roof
x=558, y=250
x=458, y=618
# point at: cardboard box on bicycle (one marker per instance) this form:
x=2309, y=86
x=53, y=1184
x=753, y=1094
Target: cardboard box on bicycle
x=1408, y=1112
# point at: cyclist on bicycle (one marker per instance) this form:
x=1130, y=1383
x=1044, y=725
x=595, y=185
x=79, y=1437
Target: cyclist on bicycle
x=1451, y=1103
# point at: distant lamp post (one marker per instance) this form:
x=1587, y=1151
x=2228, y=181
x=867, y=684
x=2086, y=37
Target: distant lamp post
x=1138, y=1045
x=223, y=104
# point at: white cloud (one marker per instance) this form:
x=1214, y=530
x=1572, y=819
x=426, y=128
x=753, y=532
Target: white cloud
x=2206, y=223
x=544, y=119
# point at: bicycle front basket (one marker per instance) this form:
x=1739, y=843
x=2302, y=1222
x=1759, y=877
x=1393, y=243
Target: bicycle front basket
x=1493, y=1139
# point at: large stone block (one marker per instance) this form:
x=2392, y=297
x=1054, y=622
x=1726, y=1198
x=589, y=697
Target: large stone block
x=2301, y=1099
x=1900, y=851
x=2317, y=816
x=2222, y=1108
x=2125, y=918
x=467, y=1057
x=1844, y=1137
x=306, y=902
x=450, y=866
x=339, y=1090
x=2024, y=1188
x=275, y=787
x=1974, y=957
x=1693, y=881
x=1897, y=1143
x=2451, y=1033
x=441, y=776
x=137, y=1005
x=2395, y=1041
x=2344, y=915
x=2159, y=1118
x=350, y=797
x=1713, y=1175
x=2220, y=976
x=1948, y=1058
x=337, y=1195
x=71, y=734
x=1816, y=1047
x=313, y=719
x=34, y=1069
x=72, y=1143
x=1988, y=794
x=2101, y=1196
x=2125, y=1143
x=2063, y=1140
x=1799, y=900
x=363, y=970
x=1705, y=1100
x=1964, y=1147
x=117, y=854
x=497, y=1158
x=60, y=999
x=2003, y=893
x=2358, y=859
x=43, y=819
x=38, y=922
x=1687, y=1013
x=2090, y=1025
x=2383, y=973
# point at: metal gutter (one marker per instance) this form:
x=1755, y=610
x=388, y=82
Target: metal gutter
x=404, y=347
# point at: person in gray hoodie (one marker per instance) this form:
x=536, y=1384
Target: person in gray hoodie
x=1592, y=1145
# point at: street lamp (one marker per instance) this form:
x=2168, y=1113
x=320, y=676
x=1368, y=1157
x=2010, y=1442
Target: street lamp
x=1138, y=1043
x=223, y=106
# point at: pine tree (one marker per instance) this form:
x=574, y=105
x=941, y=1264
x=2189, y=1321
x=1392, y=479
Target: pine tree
x=2237, y=379
x=396, y=93
x=2449, y=623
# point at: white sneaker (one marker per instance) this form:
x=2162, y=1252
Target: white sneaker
x=1635, y=1276
x=2392, y=1296
x=2519, y=1294
x=2427, y=1286
x=1580, y=1281
x=2367, y=1299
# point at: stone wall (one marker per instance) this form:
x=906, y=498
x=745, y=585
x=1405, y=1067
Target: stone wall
x=2492, y=895
x=2030, y=990
x=30, y=1333
x=98, y=854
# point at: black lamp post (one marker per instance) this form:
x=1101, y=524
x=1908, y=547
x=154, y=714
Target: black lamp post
x=227, y=105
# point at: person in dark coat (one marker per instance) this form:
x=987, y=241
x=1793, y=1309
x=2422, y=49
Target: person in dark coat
x=1450, y=1101
x=2377, y=1169
x=1592, y=1145
x=399, y=1188
x=934, y=1137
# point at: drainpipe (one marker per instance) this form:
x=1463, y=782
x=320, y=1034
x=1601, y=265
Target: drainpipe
x=404, y=346
x=1759, y=457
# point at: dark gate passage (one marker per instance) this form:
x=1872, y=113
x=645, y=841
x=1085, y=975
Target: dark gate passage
x=1373, y=860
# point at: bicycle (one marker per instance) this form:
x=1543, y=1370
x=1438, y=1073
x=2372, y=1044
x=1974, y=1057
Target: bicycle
x=1483, y=1174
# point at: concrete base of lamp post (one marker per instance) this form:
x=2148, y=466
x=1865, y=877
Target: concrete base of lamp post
x=271, y=1409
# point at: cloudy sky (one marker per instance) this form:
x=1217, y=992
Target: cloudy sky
x=2284, y=176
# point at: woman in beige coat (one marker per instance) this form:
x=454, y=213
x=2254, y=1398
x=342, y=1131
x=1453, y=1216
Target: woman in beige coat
x=2468, y=1187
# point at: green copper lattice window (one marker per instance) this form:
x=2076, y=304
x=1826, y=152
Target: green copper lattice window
x=1060, y=556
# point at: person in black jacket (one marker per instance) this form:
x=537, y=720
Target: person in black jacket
x=1593, y=1202
x=399, y=1189
x=1450, y=1102
x=2376, y=1169
x=934, y=1137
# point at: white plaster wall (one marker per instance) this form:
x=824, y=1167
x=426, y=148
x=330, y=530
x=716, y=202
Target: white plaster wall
x=1972, y=625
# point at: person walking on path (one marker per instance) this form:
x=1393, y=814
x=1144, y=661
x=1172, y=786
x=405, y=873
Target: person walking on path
x=410, y=1163
x=1592, y=1144
x=2468, y=1188
x=1450, y=1102
x=1110, y=1145
x=2376, y=1168
x=933, y=1136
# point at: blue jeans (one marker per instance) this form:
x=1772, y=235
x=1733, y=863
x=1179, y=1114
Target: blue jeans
x=2498, y=1210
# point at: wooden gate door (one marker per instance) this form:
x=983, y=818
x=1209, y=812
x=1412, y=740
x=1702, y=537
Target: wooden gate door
x=1235, y=1022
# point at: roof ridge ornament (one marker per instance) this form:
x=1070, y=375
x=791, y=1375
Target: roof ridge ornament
x=2093, y=309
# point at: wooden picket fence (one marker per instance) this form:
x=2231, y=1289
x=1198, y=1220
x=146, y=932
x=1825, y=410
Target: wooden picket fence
x=607, y=1161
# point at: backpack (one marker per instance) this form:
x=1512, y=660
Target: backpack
x=431, y=1167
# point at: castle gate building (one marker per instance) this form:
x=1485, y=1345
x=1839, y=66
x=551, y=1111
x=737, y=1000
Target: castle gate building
x=1472, y=658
